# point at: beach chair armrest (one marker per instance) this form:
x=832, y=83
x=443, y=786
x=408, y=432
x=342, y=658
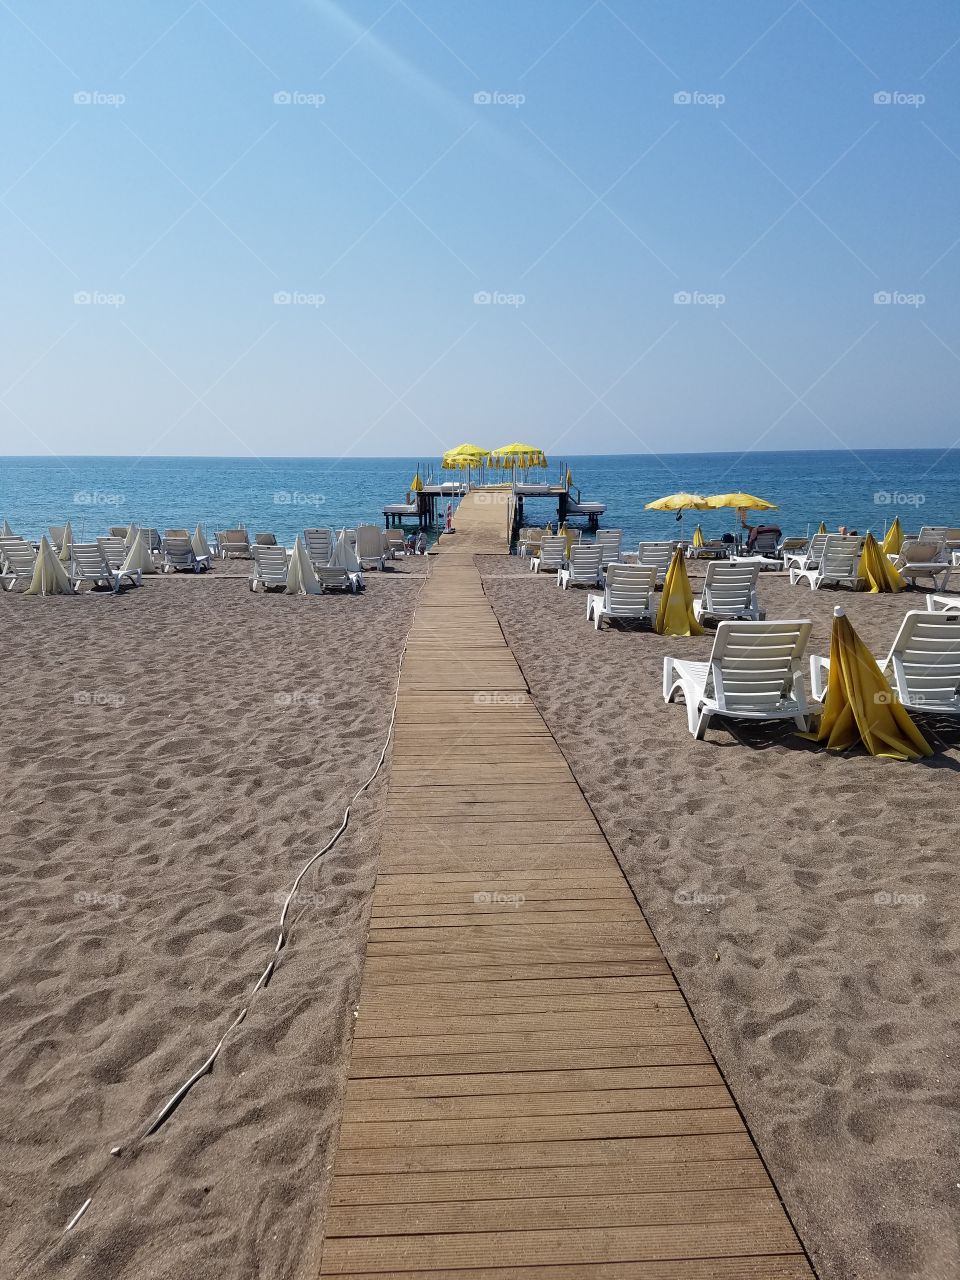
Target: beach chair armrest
x=819, y=672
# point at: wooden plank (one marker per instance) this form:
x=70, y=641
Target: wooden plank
x=529, y=1097
x=558, y=1212
x=764, y=1235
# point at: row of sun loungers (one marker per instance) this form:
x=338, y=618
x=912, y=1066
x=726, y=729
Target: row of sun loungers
x=755, y=670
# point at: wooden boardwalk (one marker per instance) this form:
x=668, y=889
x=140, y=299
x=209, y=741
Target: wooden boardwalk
x=529, y=1096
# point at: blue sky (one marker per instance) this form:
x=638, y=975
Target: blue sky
x=492, y=268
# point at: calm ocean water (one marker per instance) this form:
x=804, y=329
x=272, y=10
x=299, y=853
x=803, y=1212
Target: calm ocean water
x=864, y=491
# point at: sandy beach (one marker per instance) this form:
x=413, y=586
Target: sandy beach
x=171, y=758
x=758, y=860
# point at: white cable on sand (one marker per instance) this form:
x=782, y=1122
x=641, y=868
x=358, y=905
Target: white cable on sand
x=174, y=1101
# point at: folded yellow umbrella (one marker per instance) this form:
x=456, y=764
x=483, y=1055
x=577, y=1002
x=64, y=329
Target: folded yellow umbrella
x=66, y=550
x=823, y=527
x=698, y=537
x=416, y=484
x=569, y=534
x=675, y=615
x=860, y=705
x=894, y=538
x=301, y=580
x=877, y=569
x=49, y=576
x=201, y=547
x=139, y=557
x=569, y=478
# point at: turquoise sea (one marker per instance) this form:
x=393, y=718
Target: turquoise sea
x=863, y=490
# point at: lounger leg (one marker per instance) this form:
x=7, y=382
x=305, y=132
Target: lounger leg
x=698, y=726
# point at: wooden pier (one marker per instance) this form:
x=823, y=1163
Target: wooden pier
x=529, y=1097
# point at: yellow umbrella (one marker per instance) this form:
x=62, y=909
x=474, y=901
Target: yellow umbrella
x=877, y=569
x=675, y=612
x=66, y=549
x=416, y=484
x=569, y=478
x=894, y=539
x=678, y=502
x=464, y=455
x=823, y=527
x=49, y=576
x=523, y=456
x=860, y=705
x=569, y=534
x=698, y=537
x=745, y=500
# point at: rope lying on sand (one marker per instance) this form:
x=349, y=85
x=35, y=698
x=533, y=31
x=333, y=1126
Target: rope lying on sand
x=174, y=1101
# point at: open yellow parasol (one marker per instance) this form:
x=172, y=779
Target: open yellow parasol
x=678, y=502
x=675, y=616
x=464, y=455
x=520, y=456
x=860, y=704
x=746, y=501
x=877, y=569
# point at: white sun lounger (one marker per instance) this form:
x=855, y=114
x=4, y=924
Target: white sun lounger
x=628, y=595
x=611, y=540
x=809, y=556
x=924, y=559
x=396, y=542
x=319, y=545
x=270, y=567
x=18, y=559
x=943, y=604
x=582, y=568
x=923, y=664
x=551, y=555
x=658, y=555
x=729, y=591
x=180, y=557
x=754, y=673
x=233, y=542
x=839, y=564
x=88, y=563
x=370, y=551
x=114, y=551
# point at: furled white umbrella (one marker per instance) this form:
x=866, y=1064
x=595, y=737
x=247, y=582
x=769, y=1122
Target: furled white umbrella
x=139, y=557
x=7, y=531
x=66, y=549
x=49, y=577
x=130, y=536
x=201, y=547
x=345, y=554
x=301, y=580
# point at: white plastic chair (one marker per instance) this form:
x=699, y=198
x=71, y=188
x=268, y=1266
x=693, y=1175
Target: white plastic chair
x=754, y=673
x=550, y=557
x=628, y=595
x=270, y=567
x=729, y=591
x=582, y=568
x=839, y=564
